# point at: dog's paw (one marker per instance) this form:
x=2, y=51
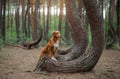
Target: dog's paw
x=53, y=58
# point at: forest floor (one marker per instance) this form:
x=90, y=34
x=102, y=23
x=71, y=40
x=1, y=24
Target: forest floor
x=14, y=62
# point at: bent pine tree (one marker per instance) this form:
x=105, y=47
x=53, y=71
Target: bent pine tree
x=77, y=58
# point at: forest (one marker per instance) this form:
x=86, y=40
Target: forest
x=89, y=44
x=22, y=20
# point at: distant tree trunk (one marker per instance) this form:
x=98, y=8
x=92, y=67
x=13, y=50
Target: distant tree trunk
x=11, y=21
x=60, y=15
x=44, y=19
x=48, y=19
x=112, y=35
x=29, y=18
x=34, y=31
x=50, y=16
x=24, y=14
x=118, y=19
x=32, y=3
x=88, y=60
x=55, y=12
x=39, y=7
x=2, y=17
x=57, y=8
x=8, y=20
x=17, y=21
x=36, y=19
x=28, y=26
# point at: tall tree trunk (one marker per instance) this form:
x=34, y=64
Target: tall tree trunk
x=39, y=12
x=28, y=19
x=44, y=19
x=29, y=23
x=17, y=21
x=1, y=19
x=118, y=19
x=36, y=19
x=48, y=19
x=32, y=2
x=34, y=32
x=89, y=59
x=55, y=12
x=11, y=22
x=112, y=35
x=60, y=15
x=8, y=19
x=24, y=14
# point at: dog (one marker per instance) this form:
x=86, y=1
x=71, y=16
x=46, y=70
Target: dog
x=52, y=46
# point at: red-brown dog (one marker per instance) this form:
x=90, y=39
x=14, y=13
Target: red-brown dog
x=52, y=46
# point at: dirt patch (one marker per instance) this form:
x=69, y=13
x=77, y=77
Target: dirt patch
x=14, y=62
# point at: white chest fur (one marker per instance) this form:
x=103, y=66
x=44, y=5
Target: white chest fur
x=56, y=45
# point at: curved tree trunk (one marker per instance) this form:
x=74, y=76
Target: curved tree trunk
x=78, y=32
x=88, y=60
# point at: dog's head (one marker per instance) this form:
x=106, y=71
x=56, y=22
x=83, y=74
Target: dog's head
x=56, y=34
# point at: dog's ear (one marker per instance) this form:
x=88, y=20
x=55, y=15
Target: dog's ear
x=53, y=33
